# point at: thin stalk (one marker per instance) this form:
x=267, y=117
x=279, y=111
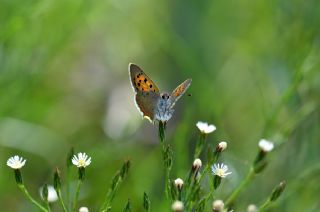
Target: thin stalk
x=61, y=201
x=26, y=193
x=243, y=184
x=200, y=145
x=68, y=188
x=75, y=201
x=265, y=205
x=48, y=206
x=162, y=136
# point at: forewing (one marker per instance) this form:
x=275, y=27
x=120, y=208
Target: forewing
x=179, y=91
x=140, y=81
x=146, y=103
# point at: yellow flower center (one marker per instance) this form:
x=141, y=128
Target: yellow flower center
x=220, y=172
x=82, y=162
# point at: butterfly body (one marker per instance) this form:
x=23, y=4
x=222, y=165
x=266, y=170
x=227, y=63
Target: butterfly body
x=151, y=103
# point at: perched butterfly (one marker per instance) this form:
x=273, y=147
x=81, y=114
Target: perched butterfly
x=151, y=103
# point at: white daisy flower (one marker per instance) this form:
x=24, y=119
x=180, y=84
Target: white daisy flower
x=16, y=162
x=220, y=170
x=52, y=194
x=82, y=160
x=265, y=145
x=205, y=128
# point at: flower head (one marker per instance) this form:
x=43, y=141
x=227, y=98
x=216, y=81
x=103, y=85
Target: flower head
x=197, y=163
x=52, y=194
x=217, y=205
x=82, y=160
x=16, y=162
x=220, y=170
x=252, y=208
x=221, y=146
x=178, y=183
x=83, y=209
x=265, y=145
x=205, y=128
x=177, y=206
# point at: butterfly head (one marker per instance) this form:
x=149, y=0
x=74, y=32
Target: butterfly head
x=165, y=96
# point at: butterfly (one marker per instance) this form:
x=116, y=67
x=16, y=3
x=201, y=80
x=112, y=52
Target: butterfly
x=152, y=104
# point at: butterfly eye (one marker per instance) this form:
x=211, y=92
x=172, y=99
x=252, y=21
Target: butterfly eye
x=168, y=97
x=162, y=96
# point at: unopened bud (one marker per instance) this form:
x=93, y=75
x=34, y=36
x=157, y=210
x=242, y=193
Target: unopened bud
x=221, y=146
x=252, y=208
x=177, y=206
x=278, y=191
x=83, y=209
x=217, y=206
x=196, y=164
x=178, y=183
x=57, y=180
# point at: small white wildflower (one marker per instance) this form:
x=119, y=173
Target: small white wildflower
x=217, y=205
x=265, y=145
x=220, y=170
x=221, y=146
x=205, y=127
x=178, y=183
x=177, y=206
x=52, y=194
x=83, y=209
x=197, y=163
x=252, y=208
x=82, y=160
x=16, y=162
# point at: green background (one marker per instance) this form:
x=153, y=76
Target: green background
x=64, y=82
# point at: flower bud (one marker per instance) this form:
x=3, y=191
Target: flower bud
x=196, y=164
x=217, y=206
x=178, y=183
x=265, y=145
x=278, y=191
x=57, y=180
x=177, y=206
x=221, y=146
x=83, y=209
x=252, y=208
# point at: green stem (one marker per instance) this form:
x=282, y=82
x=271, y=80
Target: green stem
x=200, y=145
x=75, y=201
x=68, y=188
x=61, y=201
x=48, y=206
x=236, y=192
x=26, y=193
x=106, y=206
x=162, y=136
x=264, y=205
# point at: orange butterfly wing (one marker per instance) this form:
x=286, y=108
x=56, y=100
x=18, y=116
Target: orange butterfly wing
x=179, y=91
x=140, y=81
x=147, y=93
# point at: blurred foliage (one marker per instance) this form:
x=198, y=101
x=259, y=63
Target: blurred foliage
x=64, y=82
